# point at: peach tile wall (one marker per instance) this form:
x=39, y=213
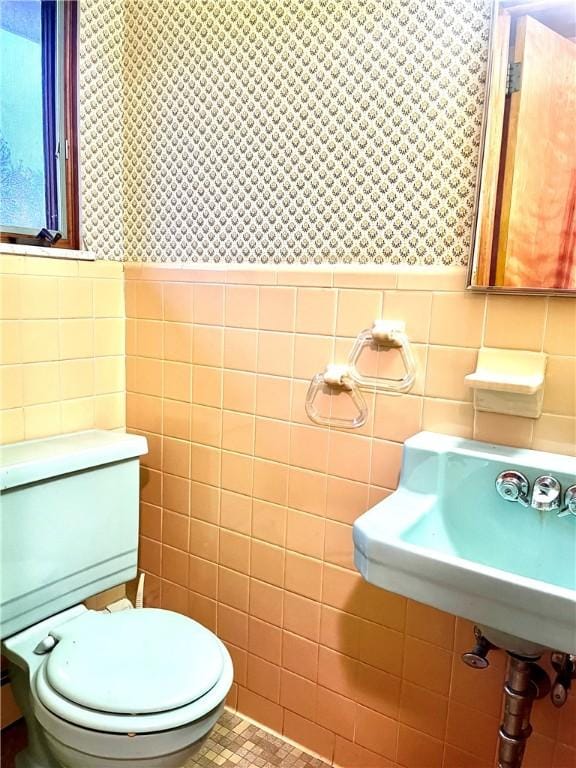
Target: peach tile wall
x=62, y=346
x=247, y=507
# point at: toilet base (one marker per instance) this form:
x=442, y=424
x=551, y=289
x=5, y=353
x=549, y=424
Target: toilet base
x=36, y=754
x=45, y=750
x=70, y=758
x=27, y=759
x=73, y=747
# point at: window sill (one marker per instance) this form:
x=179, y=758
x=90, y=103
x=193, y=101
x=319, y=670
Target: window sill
x=7, y=249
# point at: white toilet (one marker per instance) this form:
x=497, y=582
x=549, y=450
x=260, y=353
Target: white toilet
x=135, y=688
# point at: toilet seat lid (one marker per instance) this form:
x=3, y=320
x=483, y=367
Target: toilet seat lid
x=133, y=662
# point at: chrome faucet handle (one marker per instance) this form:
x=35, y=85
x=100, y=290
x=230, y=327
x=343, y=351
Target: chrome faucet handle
x=546, y=493
x=569, y=502
x=513, y=486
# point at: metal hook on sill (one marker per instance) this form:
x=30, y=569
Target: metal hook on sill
x=336, y=377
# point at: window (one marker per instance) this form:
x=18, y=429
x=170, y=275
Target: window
x=38, y=122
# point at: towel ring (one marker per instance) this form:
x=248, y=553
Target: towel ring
x=337, y=377
x=389, y=335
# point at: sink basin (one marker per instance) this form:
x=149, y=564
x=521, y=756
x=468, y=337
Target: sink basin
x=446, y=538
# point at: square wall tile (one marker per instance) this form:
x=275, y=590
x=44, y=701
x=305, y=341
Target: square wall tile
x=515, y=322
x=560, y=335
x=178, y=302
x=238, y=431
x=447, y=367
x=300, y=655
x=265, y=640
x=39, y=298
x=273, y=396
x=10, y=303
x=41, y=383
x=502, y=429
x=560, y=386
x=76, y=298
x=241, y=306
x=236, y=512
x=209, y=304
x=237, y=472
x=423, y=710
x=267, y=563
x=266, y=602
x=234, y=551
x=240, y=349
x=272, y=440
x=448, y=416
x=177, y=380
x=397, y=417
x=316, y=310
x=413, y=308
x=303, y=731
x=269, y=522
x=239, y=391
x=39, y=342
x=207, y=386
x=457, y=319
x=311, y=355
x=275, y=353
x=277, y=309
x=307, y=490
x=12, y=386
x=305, y=533
x=176, y=456
x=349, y=456
x=149, y=299
x=177, y=342
x=208, y=345
x=303, y=576
x=357, y=310
x=108, y=296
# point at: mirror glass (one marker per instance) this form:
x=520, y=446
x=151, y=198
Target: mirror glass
x=525, y=227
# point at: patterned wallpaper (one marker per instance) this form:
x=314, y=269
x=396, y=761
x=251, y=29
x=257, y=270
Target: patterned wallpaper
x=295, y=131
x=101, y=121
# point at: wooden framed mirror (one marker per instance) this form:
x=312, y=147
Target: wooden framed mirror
x=524, y=237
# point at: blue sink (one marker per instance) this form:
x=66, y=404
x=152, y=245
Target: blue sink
x=447, y=539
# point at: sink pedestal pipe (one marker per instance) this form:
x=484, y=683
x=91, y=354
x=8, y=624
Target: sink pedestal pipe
x=525, y=682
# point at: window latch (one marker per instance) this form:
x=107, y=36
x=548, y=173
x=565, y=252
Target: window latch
x=49, y=236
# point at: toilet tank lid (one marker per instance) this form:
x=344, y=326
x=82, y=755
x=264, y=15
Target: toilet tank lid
x=34, y=460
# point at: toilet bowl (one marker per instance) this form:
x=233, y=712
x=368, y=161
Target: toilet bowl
x=139, y=688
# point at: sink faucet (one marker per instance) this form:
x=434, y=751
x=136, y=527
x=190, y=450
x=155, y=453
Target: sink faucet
x=569, y=502
x=546, y=492
x=513, y=486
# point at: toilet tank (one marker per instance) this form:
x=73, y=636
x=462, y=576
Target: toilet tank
x=69, y=521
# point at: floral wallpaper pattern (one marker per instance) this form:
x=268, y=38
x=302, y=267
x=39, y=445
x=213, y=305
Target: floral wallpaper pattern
x=285, y=131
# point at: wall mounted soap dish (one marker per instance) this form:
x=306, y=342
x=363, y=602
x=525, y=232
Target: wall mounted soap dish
x=509, y=381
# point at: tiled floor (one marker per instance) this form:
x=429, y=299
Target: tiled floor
x=237, y=743
x=234, y=743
